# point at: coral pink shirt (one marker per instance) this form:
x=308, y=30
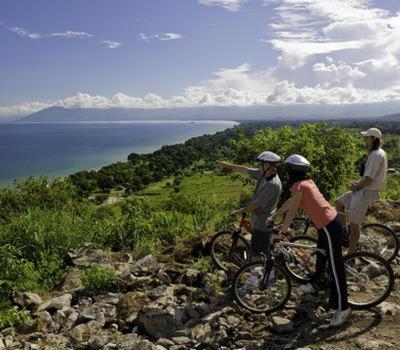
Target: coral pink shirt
x=314, y=204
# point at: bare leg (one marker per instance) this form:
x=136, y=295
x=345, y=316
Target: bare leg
x=354, y=237
x=340, y=210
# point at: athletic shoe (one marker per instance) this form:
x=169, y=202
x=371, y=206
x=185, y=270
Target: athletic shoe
x=307, y=288
x=340, y=317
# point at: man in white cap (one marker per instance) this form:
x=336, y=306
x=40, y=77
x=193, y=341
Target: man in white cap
x=365, y=190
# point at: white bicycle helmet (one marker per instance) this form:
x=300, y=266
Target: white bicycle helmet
x=268, y=157
x=298, y=162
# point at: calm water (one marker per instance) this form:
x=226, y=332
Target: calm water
x=64, y=148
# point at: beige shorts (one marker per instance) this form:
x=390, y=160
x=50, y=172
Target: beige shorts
x=357, y=202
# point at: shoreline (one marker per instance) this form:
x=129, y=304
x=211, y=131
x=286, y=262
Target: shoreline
x=142, y=150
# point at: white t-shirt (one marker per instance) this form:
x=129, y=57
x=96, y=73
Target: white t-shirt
x=376, y=169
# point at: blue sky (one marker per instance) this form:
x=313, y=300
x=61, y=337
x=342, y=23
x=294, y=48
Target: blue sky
x=103, y=53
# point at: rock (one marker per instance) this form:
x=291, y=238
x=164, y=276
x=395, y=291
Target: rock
x=95, y=311
x=163, y=277
x=28, y=300
x=281, y=325
x=158, y=323
x=108, y=298
x=162, y=294
x=82, y=333
x=192, y=277
x=181, y=340
x=70, y=321
x=2, y=346
x=131, y=281
x=72, y=282
x=43, y=323
x=387, y=308
x=84, y=257
x=165, y=342
x=200, y=333
x=130, y=304
x=96, y=341
x=369, y=344
x=148, y=264
x=57, y=303
x=133, y=342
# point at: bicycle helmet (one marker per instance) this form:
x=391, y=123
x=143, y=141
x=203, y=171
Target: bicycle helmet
x=297, y=163
x=268, y=157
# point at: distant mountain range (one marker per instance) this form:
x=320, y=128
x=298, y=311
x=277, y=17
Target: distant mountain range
x=287, y=112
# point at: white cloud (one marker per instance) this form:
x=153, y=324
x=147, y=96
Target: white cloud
x=71, y=34
x=111, y=44
x=25, y=33
x=162, y=36
x=230, y=5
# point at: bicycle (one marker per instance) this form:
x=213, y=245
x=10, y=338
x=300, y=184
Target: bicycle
x=370, y=277
x=374, y=237
x=229, y=248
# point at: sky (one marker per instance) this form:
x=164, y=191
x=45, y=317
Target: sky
x=185, y=53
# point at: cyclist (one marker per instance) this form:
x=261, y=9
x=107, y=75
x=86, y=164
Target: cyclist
x=366, y=190
x=306, y=195
x=265, y=198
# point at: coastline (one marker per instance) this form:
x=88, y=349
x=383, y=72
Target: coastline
x=120, y=154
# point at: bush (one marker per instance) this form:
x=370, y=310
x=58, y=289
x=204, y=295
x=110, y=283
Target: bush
x=10, y=317
x=97, y=279
x=331, y=151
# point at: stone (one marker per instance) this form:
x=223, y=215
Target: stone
x=2, y=345
x=158, y=323
x=281, y=325
x=108, y=298
x=162, y=294
x=82, y=332
x=147, y=265
x=165, y=342
x=94, y=312
x=96, y=341
x=28, y=300
x=368, y=344
x=200, y=332
x=57, y=303
x=163, y=277
x=70, y=321
x=192, y=277
x=387, y=308
x=73, y=282
x=130, y=304
x=181, y=340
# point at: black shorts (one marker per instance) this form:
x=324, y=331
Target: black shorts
x=259, y=241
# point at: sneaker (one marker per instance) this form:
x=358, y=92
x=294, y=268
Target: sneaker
x=340, y=317
x=307, y=288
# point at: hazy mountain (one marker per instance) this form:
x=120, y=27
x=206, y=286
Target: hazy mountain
x=290, y=112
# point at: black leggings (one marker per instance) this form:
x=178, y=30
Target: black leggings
x=330, y=239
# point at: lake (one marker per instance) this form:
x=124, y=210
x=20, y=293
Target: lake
x=33, y=149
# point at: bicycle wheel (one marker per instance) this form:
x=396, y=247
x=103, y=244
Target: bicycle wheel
x=370, y=279
x=379, y=239
x=261, y=290
x=302, y=265
x=228, y=252
x=303, y=227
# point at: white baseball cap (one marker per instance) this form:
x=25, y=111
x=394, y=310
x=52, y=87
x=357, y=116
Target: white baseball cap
x=372, y=132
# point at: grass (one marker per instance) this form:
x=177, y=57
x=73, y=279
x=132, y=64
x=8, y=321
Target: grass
x=224, y=188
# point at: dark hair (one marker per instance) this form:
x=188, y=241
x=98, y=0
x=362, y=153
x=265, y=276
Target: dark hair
x=376, y=143
x=297, y=175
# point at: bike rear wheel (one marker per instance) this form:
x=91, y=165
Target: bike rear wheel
x=229, y=250
x=379, y=239
x=261, y=288
x=370, y=279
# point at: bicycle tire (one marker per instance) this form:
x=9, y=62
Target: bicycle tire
x=389, y=286
x=389, y=233
x=293, y=271
x=253, y=265
x=243, y=243
x=300, y=229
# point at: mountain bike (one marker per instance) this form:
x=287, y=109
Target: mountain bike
x=374, y=237
x=229, y=248
x=265, y=286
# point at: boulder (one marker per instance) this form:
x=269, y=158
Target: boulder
x=281, y=325
x=130, y=304
x=57, y=303
x=147, y=265
x=72, y=282
x=158, y=323
x=27, y=300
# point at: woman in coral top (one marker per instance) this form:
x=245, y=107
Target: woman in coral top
x=306, y=196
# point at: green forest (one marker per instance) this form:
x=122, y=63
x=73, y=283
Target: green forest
x=163, y=198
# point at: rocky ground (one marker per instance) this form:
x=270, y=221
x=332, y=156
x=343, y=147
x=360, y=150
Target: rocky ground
x=174, y=306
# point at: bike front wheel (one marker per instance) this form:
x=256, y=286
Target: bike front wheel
x=261, y=288
x=229, y=250
x=370, y=279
